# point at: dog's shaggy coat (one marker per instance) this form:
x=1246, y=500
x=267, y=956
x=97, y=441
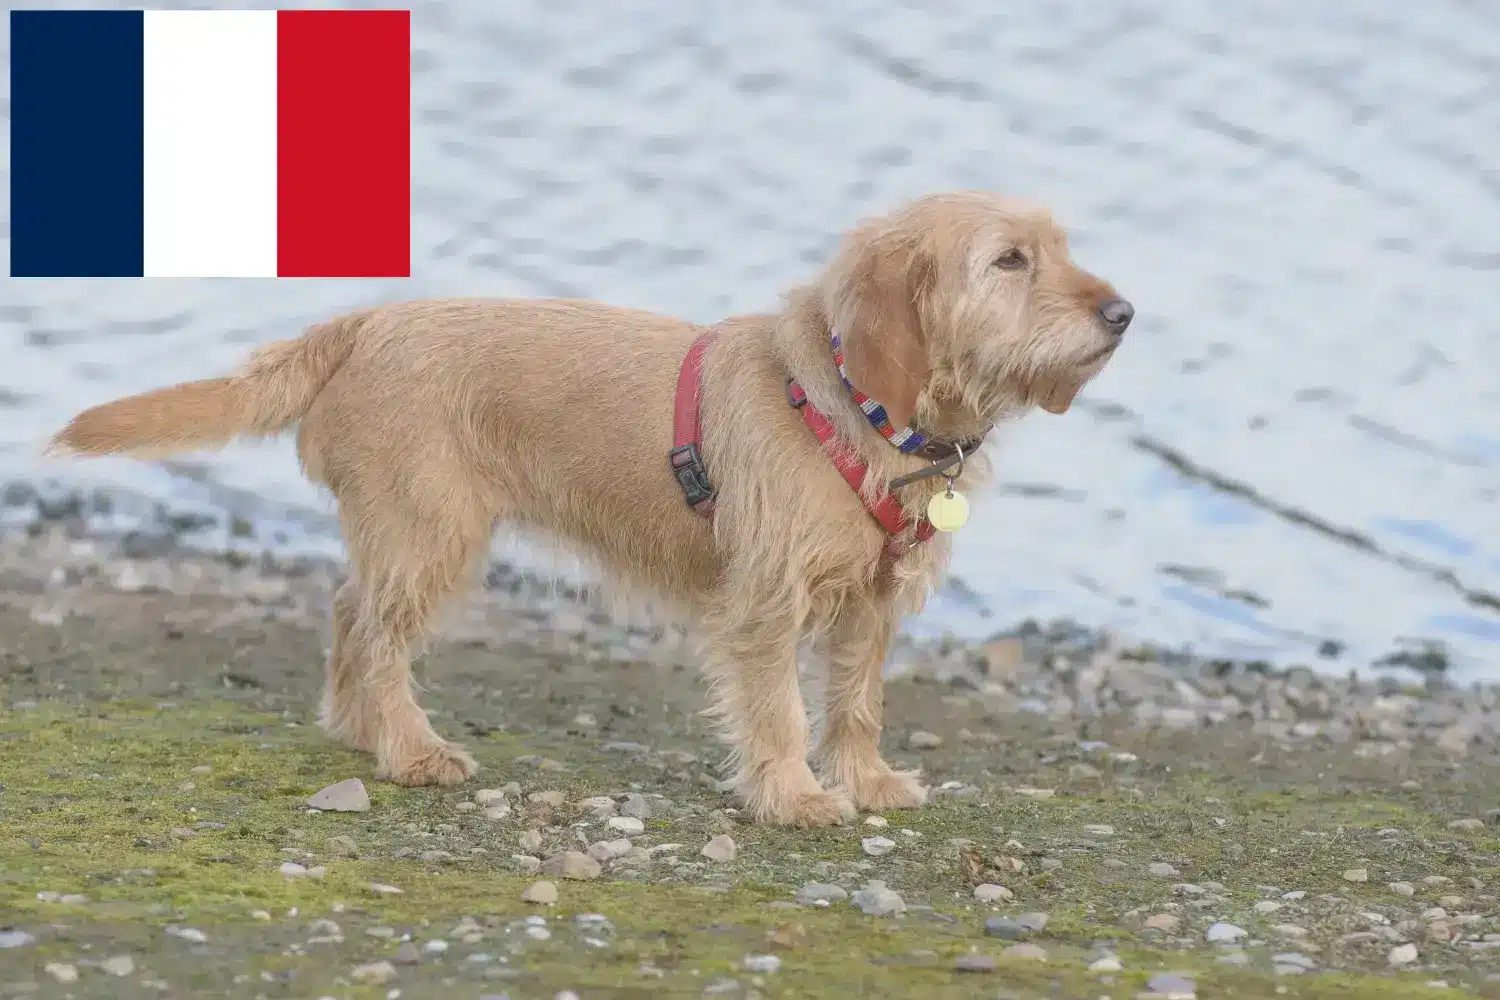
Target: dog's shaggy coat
x=432, y=422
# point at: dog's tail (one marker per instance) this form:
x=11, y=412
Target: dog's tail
x=273, y=390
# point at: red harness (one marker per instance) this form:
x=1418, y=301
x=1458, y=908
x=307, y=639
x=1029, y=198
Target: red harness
x=687, y=456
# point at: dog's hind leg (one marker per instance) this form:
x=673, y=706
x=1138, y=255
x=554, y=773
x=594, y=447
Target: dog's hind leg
x=346, y=714
x=848, y=754
x=405, y=567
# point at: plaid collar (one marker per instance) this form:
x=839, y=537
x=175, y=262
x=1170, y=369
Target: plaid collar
x=907, y=439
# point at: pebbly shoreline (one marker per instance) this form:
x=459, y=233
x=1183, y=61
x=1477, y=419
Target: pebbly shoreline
x=55, y=552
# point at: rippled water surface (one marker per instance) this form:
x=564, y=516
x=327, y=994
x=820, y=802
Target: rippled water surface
x=1300, y=444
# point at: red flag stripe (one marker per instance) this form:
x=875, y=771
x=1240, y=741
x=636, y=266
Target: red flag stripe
x=343, y=137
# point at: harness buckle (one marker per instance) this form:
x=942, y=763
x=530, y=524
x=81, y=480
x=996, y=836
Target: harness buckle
x=795, y=397
x=691, y=474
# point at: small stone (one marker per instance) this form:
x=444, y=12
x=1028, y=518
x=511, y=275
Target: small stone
x=374, y=973
x=1036, y=793
x=720, y=848
x=293, y=870
x=15, y=939
x=571, y=864
x=1188, y=889
x=821, y=892
x=435, y=947
x=1266, y=907
x=876, y=821
x=1035, y=952
x=1223, y=933
x=605, y=851
x=762, y=964
x=407, y=954
x=190, y=934
x=627, y=825
x=1402, y=954
x=531, y=841
x=877, y=846
x=551, y=798
x=381, y=889
x=992, y=893
x=1289, y=930
x=1006, y=928
x=118, y=965
x=544, y=893
x=341, y=845
x=344, y=796
x=525, y=864
x=488, y=796
x=1357, y=875
x=62, y=972
x=499, y=811
x=1033, y=921
x=920, y=739
x=1099, y=830
x=974, y=963
x=1470, y=825
x=1163, y=870
x=1295, y=894
x=636, y=805
x=600, y=806
x=875, y=900
x=1107, y=964
x=1166, y=922
x=1172, y=986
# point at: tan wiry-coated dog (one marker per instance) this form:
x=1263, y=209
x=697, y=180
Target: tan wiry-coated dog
x=432, y=422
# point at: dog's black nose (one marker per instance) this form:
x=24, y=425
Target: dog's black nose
x=1117, y=314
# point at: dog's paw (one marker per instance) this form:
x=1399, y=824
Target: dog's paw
x=443, y=764
x=888, y=789
x=789, y=795
x=811, y=809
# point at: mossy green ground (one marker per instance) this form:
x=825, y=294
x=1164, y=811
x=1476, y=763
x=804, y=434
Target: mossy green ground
x=164, y=775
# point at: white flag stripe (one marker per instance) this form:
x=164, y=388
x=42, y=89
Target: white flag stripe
x=210, y=143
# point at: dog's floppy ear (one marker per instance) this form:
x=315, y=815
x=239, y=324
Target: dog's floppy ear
x=877, y=285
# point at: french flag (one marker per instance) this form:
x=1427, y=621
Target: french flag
x=210, y=143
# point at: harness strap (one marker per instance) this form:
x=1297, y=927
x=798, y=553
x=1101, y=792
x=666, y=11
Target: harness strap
x=887, y=511
x=687, y=454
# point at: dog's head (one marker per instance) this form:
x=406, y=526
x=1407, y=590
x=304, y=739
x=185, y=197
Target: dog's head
x=964, y=307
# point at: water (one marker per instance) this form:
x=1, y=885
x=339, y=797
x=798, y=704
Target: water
x=1299, y=444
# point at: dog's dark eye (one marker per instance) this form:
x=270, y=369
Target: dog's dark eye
x=1011, y=260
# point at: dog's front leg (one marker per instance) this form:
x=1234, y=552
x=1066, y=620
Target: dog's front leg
x=752, y=667
x=848, y=752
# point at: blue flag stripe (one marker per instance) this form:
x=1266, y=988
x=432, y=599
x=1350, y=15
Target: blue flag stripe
x=77, y=135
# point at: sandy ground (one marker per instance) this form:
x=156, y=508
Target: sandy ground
x=1106, y=822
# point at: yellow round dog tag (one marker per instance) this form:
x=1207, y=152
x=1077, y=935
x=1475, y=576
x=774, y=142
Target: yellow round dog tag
x=948, y=511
